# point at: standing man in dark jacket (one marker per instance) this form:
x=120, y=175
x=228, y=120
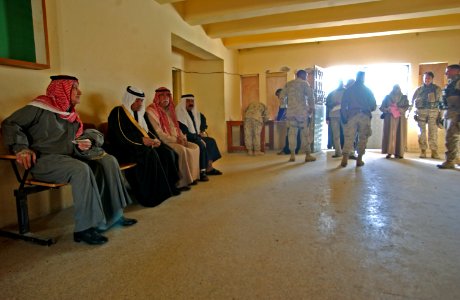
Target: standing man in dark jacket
x=358, y=103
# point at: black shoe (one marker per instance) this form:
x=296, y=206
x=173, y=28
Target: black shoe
x=175, y=191
x=203, y=177
x=446, y=165
x=126, y=221
x=336, y=155
x=195, y=182
x=352, y=156
x=184, y=188
x=90, y=236
x=214, y=172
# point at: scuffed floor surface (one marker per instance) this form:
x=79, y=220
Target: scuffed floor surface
x=266, y=229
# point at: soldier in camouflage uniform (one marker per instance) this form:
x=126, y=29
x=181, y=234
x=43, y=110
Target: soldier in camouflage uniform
x=255, y=116
x=301, y=104
x=427, y=99
x=358, y=102
x=452, y=116
x=333, y=102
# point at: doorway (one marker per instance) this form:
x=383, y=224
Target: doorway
x=380, y=78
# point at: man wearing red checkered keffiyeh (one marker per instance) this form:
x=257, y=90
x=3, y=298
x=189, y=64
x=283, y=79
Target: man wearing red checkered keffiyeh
x=162, y=116
x=61, y=97
x=164, y=113
x=46, y=137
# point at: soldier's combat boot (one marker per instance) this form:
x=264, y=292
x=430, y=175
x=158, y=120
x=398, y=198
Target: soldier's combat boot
x=359, y=161
x=250, y=152
x=352, y=156
x=447, y=165
x=292, y=157
x=309, y=157
x=344, y=161
x=434, y=154
x=422, y=154
x=258, y=153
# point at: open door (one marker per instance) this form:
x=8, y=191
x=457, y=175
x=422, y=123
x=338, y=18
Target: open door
x=315, y=79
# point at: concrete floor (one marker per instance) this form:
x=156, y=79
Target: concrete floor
x=266, y=229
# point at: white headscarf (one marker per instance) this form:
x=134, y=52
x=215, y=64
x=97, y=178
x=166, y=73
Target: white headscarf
x=184, y=117
x=131, y=94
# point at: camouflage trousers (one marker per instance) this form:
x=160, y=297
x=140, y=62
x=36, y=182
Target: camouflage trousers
x=305, y=136
x=358, y=124
x=252, y=131
x=427, y=116
x=335, y=124
x=452, y=138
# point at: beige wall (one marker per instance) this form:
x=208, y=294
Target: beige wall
x=107, y=44
x=413, y=49
x=208, y=87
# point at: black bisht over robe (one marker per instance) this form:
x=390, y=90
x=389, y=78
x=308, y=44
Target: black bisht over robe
x=208, y=150
x=154, y=178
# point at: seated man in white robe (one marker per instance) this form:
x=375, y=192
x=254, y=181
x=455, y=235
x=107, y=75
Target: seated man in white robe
x=193, y=125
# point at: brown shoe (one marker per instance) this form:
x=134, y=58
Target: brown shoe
x=434, y=154
x=309, y=157
x=422, y=154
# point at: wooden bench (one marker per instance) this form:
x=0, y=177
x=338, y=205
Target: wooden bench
x=27, y=186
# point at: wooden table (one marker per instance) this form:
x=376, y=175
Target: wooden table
x=234, y=148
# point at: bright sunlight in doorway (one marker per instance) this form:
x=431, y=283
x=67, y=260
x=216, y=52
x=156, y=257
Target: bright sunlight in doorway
x=380, y=78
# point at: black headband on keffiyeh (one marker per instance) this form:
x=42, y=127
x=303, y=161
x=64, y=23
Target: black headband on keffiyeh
x=188, y=96
x=138, y=93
